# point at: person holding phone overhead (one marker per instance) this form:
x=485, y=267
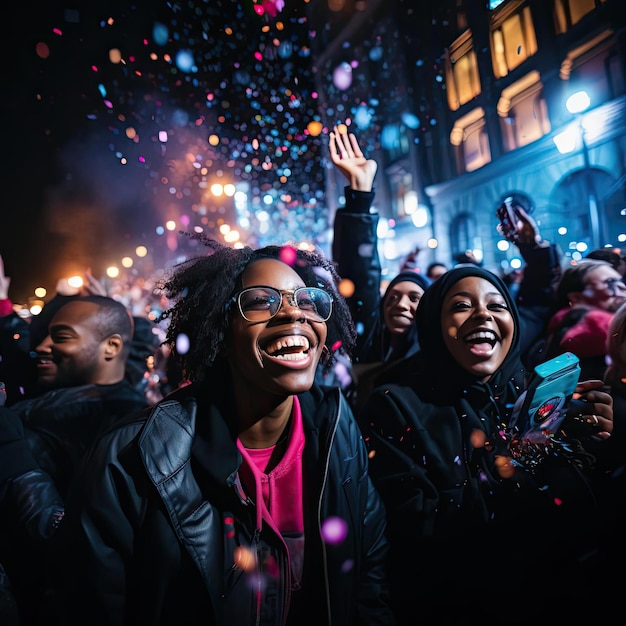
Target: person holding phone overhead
x=472, y=515
x=535, y=293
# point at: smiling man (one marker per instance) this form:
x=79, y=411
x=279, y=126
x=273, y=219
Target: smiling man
x=81, y=372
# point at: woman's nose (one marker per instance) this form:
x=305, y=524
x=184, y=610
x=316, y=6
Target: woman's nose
x=291, y=306
x=483, y=311
x=404, y=302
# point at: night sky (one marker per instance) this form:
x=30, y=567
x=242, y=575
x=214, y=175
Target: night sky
x=116, y=114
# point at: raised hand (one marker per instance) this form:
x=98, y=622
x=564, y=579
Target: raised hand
x=348, y=157
x=92, y=286
x=516, y=225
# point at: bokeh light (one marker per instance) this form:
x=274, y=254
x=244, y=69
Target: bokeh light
x=163, y=104
x=182, y=344
x=75, y=281
x=244, y=558
x=334, y=530
x=346, y=288
x=288, y=255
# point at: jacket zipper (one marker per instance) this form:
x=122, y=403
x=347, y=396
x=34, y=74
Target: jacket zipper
x=319, y=514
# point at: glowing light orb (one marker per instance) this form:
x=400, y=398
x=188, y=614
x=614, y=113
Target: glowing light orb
x=334, y=530
x=285, y=49
x=182, y=344
x=363, y=116
x=342, y=76
x=184, y=61
x=160, y=34
x=346, y=288
x=314, y=128
x=504, y=467
x=42, y=50
x=390, y=136
x=376, y=53
x=75, y=281
x=288, y=255
x=478, y=438
x=244, y=558
x=115, y=56
x=410, y=120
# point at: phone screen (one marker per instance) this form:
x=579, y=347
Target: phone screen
x=551, y=395
x=548, y=394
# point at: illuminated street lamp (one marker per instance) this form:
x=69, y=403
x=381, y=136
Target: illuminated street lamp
x=577, y=104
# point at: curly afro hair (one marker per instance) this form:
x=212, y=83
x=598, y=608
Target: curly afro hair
x=202, y=289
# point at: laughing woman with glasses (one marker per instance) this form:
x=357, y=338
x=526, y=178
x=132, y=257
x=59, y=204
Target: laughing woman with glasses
x=242, y=497
x=587, y=297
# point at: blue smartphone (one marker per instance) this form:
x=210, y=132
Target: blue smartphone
x=551, y=387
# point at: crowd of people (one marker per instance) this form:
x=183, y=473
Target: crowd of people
x=321, y=447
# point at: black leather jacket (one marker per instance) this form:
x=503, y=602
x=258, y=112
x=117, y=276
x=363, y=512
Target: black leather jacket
x=161, y=512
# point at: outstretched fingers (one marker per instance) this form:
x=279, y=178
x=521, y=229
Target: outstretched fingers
x=345, y=143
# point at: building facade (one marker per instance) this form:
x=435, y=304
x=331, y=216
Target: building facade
x=468, y=101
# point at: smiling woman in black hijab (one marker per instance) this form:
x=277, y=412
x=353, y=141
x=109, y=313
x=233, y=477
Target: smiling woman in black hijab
x=462, y=513
x=506, y=379
x=392, y=337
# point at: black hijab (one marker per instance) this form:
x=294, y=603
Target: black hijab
x=442, y=380
x=380, y=342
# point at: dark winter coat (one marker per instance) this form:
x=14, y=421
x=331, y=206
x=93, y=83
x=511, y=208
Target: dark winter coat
x=42, y=443
x=355, y=251
x=61, y=424
x=457, y=521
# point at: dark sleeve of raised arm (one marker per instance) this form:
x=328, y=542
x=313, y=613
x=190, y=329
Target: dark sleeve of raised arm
x=542, y=272
x=355, y=252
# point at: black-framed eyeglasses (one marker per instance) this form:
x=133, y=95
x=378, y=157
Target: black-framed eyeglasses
x=613, y=284
x=260, y=304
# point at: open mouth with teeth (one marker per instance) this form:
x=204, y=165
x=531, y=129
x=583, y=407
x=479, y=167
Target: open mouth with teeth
x=481, y=340
x=292, y=348
x=44, y=361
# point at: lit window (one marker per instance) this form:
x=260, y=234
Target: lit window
x=523, y=112
x=470, y=136
x=462, y=77
x=512, y=41
x=570, y=12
